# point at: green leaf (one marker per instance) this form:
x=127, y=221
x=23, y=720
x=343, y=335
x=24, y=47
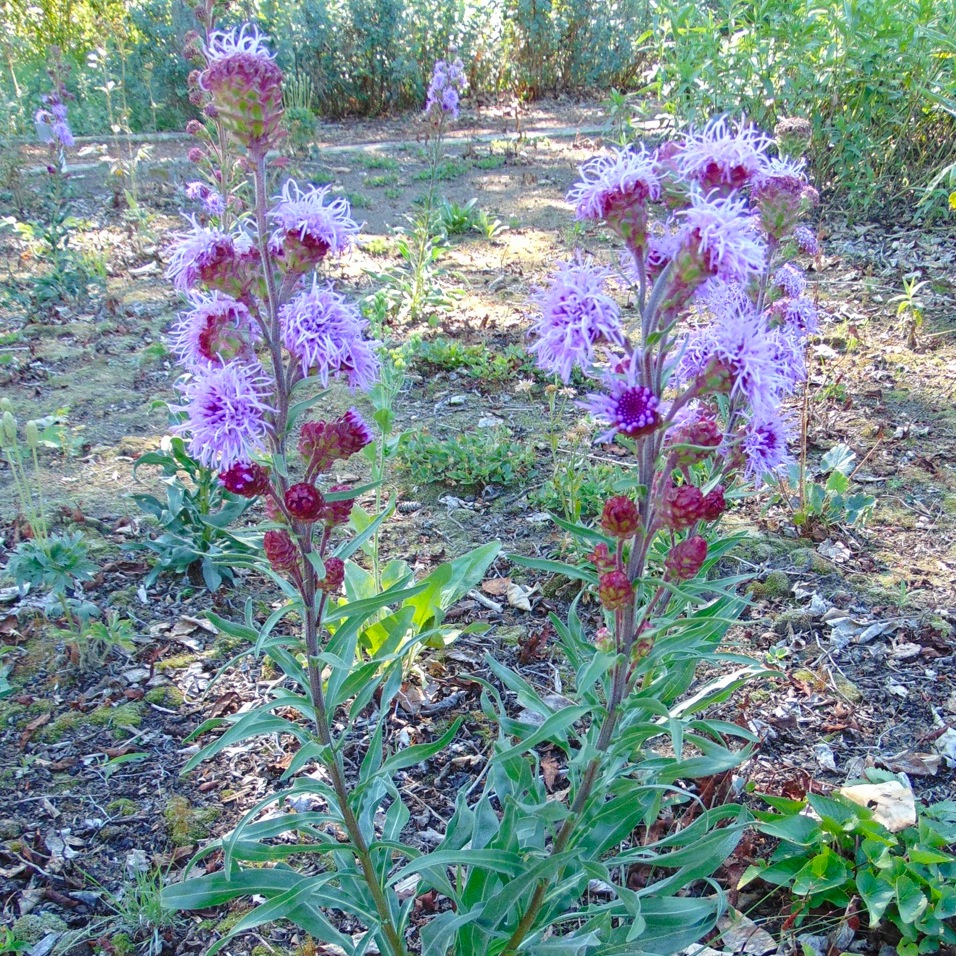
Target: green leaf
x=876, y=893
x=909, y=899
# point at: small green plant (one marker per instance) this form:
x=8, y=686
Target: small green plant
x=466, y=459
x=456, y=220
x=620, y=109
x=444, y=171
x=476, y=361
x=10, y=942
x=382, y=180
x=906, y=879
x=488, y=227
x=909, y=309
x=816, y=504
x=298, y=96
x=195, y=518
x=96, y=640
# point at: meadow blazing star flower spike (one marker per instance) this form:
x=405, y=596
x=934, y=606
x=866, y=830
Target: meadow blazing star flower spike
x=790, y=280
x=444, y=91
x=218, y=328
x=763, y=445
x=324, y=332
x=308, y=228
x=52, y=127
x=245, y=86
x=630, y=408
x=617, y=188
x=576, y=315
x=226, y=407
x=723, y=156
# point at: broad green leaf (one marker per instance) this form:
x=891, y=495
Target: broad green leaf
x=876, y=893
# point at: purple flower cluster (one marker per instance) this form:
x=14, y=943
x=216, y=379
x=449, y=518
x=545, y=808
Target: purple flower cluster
x=52, y=126
x=308, y=228
x=445, y=89
x=212, y=200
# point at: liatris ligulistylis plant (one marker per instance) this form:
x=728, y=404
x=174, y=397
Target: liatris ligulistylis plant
x=262, y=336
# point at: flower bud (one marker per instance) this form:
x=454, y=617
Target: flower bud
x=337, y=512
x=620, y=517
x=682, y=506
x=195, y=155
x=194, y=128
x=685, y=559
x=304, y=501
x=9, y=428
x=714, y=504
x=32, y=432
x=334, y=575
x=702, y=435
x=615, y=590
x=281, y=551
x=602, y=558
x=248, y=480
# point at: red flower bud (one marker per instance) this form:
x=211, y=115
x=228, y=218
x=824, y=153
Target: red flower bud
x=703, y=434
x=246, y=480
x=280, y=550
x=338, y=512
x=602, y=558
x=714, y=504
x=195, y=155
x=620, y=517
x=334, y=575
x=682, y=506
x=304, y=501
x=685, y=559
x=615, y=590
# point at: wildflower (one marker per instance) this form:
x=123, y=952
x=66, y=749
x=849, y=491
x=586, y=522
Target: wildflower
x=616, y=188
x=322, y=443
x=308, y=229
x=781, y=195
x=685, y=559
x=602, y=558
x=445, y=89
x=714, y=504
x=630, y=408
x=682, y=506
x=52, y=127
x=324, y=332
x=225, y=407
x=718, y=238
x=615, y=590
x=246, y=479
x=723, y=156
x=216, y=328
x=339, y=511
x=790, y=280
x=694, y=438
x=334, y=575
x=798, y=314
x=576, y=315
x=304, y=501
x=806, y=240
x=763, y=445
x=792, y=133
x=280, y=551
x=211, y=199
x=620, y=517
x=209, y=255
x=245, y=85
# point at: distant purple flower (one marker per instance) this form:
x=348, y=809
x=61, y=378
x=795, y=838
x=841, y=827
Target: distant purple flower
x=630, y=408
x=764, y=446
x=806, y=240
x=789, y=351
x=576, y=315
x=444, y=91
x=718, y=232
x=52, y=127
x=225, y=407
x=790, y=280
x=217, y=328
x=611, y=185
x=315, y=228
x=212, y=199
x=723, y=156
x=324, y=332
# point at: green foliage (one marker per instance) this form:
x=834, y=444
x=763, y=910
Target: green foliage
x=864, y=74
x=825, y=504
x=476, y=361
x=469, y=459
x=579, y=490
x=55, y=564
x=96, y=640
x=907, y=879
x=456, y=220
x=194, y=520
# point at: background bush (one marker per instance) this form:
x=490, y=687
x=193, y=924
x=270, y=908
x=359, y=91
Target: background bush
x=872, y=77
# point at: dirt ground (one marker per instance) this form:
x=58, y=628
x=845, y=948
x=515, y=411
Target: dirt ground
x=858, y=621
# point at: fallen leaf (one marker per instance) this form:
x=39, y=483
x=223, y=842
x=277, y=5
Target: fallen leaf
x=496, y=586
x=34, y=725
x=517, y=596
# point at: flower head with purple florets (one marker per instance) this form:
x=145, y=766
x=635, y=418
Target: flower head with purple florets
x=617, y=188
x=628, y=407
x=799, y=315
x=217, y=328
x=307, y=227
x=52, y=127
x=723, y=156
x=790, y=280
x=226, y=407
x=212, y=200
x=763, y=445
x=210, y=255
x=324, y=332
x=576, y=315
x=444, y=90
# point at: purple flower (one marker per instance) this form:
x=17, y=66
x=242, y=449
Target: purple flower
x=806, y=240
x=630, y=408
x=212, y=200
x=790, y=280
x=798, y=314
x=446, y=86
x=723, y=156
x=718, y=235
x=225, y=407
x=241, y=41
x=217, y=328
x=52, y=127
x=789, y=351
x=324, y=332
x=576, y=315
x=207, y=254
x=308, y=228
x=616, y=186
x=764, y=446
